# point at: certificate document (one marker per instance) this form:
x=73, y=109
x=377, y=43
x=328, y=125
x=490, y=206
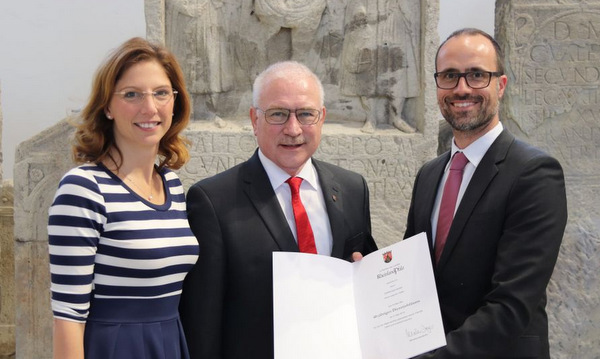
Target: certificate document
x=384, y=306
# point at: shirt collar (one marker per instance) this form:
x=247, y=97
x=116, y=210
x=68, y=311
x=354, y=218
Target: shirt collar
x=476, y=150
x=277, y=176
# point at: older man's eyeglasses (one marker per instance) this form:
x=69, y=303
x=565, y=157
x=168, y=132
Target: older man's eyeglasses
x=474, y=79
x=161, y=97
x=279, y=116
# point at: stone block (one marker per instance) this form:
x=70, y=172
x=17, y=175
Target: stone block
x=40, y=163
x=552, y=49
x=33, y=314
x=388, y=159
x=7, y=272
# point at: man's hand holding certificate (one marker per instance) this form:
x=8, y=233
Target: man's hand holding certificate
x=384, y=306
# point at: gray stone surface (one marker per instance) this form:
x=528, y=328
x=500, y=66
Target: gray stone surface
x=367, y=53
x=387, y=160
x=7, y=264
x=40, y=163
x=7, y=272
x=553, y=101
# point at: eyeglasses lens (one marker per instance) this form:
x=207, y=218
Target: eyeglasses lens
x=475, y=80
x=279, y=116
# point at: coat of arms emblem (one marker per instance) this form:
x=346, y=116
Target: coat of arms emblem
x=387, y=256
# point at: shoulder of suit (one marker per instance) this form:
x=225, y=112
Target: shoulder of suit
x=527, y=150
x=440, y=160
x=223, y=178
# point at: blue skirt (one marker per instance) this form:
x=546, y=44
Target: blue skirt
x=134, y=328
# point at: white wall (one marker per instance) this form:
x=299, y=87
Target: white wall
x=51, y=48
x=456, y=14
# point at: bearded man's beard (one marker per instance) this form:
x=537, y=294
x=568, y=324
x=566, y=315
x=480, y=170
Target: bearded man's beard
x=460, y=120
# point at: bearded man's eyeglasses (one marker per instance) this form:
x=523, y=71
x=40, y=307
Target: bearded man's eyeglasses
x=475, y=79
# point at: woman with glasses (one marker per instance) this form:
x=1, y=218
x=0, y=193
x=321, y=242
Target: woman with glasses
x=119, y=240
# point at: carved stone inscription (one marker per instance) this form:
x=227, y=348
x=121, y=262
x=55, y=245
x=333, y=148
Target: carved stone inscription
x=388, y=163
x=555, y=89
x=553, y=99
x=556, y=62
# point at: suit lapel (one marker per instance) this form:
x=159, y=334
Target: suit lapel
x=484, y=174
x=334, y=201
x=258, y=188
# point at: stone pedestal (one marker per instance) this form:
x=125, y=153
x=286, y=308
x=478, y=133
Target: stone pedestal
x=40, y=163
x=388, y=159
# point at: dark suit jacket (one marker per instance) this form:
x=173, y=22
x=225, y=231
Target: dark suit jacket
x=227, y=302
x=500, y=251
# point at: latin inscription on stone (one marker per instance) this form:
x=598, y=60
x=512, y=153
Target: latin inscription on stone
x=556, y=62
x=388, y=163
x=553, y=102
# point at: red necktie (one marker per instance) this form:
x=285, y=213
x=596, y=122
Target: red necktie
x=306, y=238
x=448, y=204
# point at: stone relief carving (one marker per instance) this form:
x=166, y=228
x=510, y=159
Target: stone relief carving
x=366, y=52
x=302, y=18
x=378, y=60
x=196, y=31
x=553, y=101
x=557, y=66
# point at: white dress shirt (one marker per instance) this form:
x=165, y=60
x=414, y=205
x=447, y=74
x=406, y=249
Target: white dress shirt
x=312, y=199
x=474, y=153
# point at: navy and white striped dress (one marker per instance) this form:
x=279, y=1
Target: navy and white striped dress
x=117, y=264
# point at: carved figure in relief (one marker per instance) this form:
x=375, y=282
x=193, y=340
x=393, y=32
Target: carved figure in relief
x=301, y=17
x=205, y=53
x=378, y=62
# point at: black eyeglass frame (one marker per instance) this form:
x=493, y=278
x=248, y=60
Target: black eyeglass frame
x=465, y=75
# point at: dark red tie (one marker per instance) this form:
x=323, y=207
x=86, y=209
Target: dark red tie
x=448, y=205
x=306, y=238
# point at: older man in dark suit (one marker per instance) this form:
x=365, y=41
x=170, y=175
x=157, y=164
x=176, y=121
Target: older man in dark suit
x=495, y=210
x=244, y=214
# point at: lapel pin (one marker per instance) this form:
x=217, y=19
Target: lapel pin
x=334, y=197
